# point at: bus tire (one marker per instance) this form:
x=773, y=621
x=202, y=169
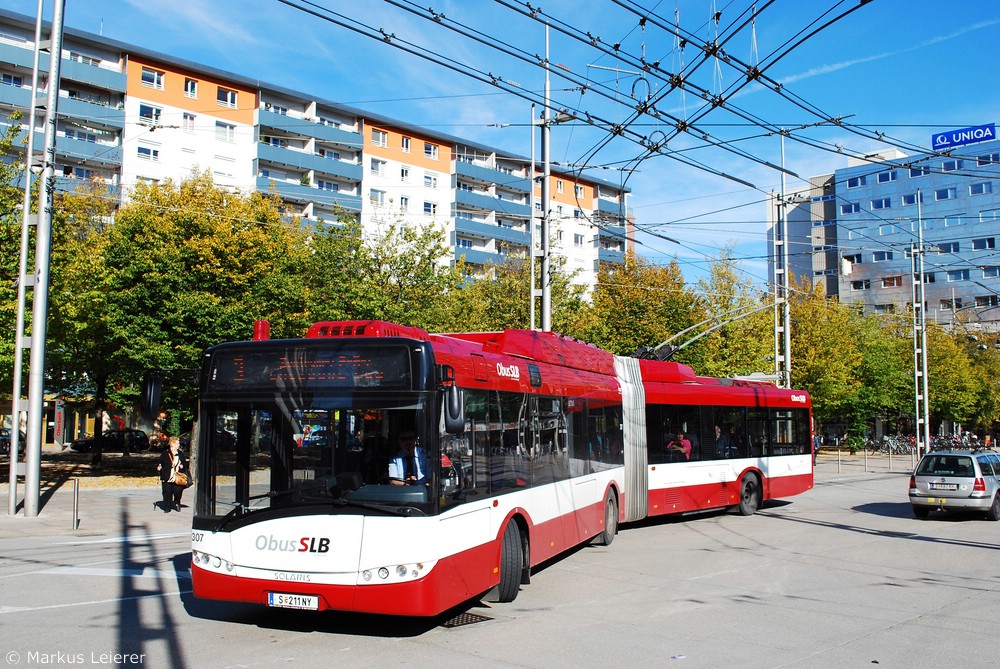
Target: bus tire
x=749, y=495
x=607, y=535
x=511, y=563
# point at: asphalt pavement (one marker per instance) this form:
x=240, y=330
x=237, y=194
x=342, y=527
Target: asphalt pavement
x=101, y=511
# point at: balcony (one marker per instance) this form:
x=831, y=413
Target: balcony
x=296, y=192
x=475, y=257
x=91, y=153
x=607, y=255
x=70, y=70
x=490, y=176
x=609, y=207
x=490, y=203
x=92, y=112
x=66, y=184
x=614, y=232
x=302, y=127
x=307, y=161
x=487, y=231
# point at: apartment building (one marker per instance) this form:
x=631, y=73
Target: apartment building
x=128, y=114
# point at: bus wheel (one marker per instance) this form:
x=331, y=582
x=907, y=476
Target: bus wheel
x=749, y=495
x=511, y=563
x=607, y=535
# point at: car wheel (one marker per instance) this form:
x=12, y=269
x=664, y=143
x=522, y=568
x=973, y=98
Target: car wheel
x=994, y=512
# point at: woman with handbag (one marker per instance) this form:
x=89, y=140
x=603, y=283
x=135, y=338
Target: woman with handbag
x=173, y=475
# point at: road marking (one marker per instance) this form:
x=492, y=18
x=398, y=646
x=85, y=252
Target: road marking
x=22, y=609
x=126, y=539
x=144, y=572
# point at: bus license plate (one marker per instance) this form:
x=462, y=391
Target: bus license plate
x=289, y=601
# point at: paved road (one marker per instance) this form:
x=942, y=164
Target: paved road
x=840, y=576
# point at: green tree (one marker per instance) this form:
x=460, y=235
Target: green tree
x=639, y=305
x=825, y=354
x=498, y=298
x=11, y=198
x=745, y=342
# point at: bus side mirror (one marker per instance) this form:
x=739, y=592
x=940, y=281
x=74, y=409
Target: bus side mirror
x=453, y=406
x=149, y=395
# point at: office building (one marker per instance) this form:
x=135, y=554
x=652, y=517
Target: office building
x=865, y=222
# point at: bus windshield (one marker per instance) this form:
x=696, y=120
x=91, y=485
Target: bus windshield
x=356, y=452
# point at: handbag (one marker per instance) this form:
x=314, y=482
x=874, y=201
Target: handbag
x=181, y=479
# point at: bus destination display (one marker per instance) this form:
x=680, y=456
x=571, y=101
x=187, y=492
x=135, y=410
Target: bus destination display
x=309, y=367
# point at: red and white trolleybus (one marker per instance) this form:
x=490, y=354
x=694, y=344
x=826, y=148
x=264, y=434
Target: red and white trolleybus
x=526, y=444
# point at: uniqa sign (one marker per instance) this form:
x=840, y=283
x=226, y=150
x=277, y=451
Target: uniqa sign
x=978, y=133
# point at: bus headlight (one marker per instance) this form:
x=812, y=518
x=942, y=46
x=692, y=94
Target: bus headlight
x=401, y=571
x=383, y=573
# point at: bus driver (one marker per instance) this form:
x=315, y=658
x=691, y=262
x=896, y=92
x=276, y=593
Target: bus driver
x=410, y=464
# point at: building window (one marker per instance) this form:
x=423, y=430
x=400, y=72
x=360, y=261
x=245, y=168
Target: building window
x=578, y=190
x=981, y=188
x=988, y=300
x=187, y=122
x=559, y=185
x=149, y=114
x=11, y=80
x=430, y=209
x=148, y=153
x=190, y=87
x=882, y=256
x=328, y=185
x=856, y=182
x=886, y=177
x=430, y=180
x=854, y=259
x=951, y=165
x=948, y=247
x=988, y=159
x=958, y=275
x=463, y=243
x=885, y=308
x=920, y=171
x=850, y=208
x=881, y=203
x=864, y=284
x=930, y=277
x=82, y=136
x=226, y=98
x=404, y=203
x=577, y=240
x=951, y=221
x=280, y=142
x=911, y=199
x=226, y=132
x=404, y=173
x=948, y=305
x=378, y=167
x=430, y=151
x=380, y=138
x=892, y=281
x=945, y=194
x=152, y=78
x=405, y=144
x=377, y=196
x=984, y=244
x=991, y=272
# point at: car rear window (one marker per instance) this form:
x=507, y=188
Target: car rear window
x=946, y=465
x=986, y=465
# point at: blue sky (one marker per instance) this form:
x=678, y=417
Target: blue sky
x=902, y=68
